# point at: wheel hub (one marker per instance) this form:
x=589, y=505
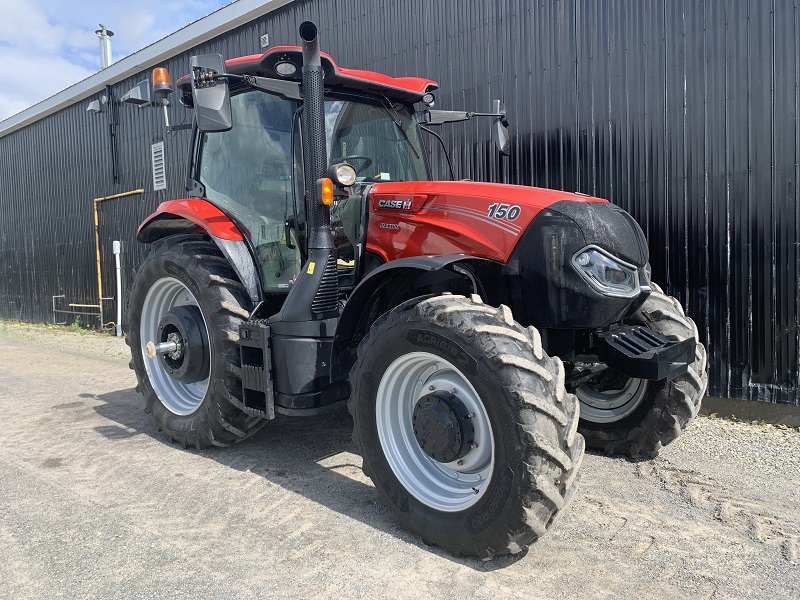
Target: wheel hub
x=610, y=399
x=184, y=327
x=443, y=427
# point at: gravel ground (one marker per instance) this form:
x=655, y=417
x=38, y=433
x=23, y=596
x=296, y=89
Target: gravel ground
x=95, y=503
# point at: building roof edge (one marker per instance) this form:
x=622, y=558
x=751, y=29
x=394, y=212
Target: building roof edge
x=220, y=21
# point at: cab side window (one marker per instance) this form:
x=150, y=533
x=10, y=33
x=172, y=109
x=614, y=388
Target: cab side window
x=247, y=172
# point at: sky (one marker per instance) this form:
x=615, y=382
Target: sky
x=48, y=45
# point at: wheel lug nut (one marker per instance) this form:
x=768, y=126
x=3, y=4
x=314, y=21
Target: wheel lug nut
x=473, y=446
x=431, y=387
x=460, y=462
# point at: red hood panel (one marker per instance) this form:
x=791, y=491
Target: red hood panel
x=417, y=218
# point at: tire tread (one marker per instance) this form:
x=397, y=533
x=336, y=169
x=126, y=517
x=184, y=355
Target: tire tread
x=226, y=423
x=546, y=426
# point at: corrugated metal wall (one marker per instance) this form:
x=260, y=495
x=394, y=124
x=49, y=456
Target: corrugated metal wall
x=684, y=113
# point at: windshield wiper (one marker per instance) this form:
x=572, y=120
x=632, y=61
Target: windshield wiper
x=396, y=120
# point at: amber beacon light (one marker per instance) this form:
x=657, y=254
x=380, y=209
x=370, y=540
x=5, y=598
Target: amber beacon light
x=162, y=84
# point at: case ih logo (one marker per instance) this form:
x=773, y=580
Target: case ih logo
x=397, y=204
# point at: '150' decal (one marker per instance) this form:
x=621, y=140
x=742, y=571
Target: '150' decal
x=504, y=211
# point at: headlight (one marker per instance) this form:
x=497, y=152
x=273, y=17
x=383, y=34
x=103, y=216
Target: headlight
x=606, y=273
x=342, y=173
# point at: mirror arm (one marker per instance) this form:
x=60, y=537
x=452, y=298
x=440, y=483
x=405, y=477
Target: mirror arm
x=440, y=117
x=288, y=90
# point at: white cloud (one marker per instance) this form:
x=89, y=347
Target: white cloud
x=48, y=45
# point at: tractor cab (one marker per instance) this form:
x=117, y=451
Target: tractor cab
x=253, y=171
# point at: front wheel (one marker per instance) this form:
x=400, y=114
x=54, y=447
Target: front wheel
x=186, y=297
x=464, y=425
x=623, y=415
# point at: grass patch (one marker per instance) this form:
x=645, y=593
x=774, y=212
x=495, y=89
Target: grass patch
x=72, y=327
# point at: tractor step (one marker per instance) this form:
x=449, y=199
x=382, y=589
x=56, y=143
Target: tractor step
x=254, y=347
x=640, y=352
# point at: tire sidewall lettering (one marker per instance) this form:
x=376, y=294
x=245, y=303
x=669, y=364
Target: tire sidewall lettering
x=445, y=347
x=179, y=273
x=494, y=504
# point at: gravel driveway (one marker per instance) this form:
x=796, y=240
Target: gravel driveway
x=95, y=503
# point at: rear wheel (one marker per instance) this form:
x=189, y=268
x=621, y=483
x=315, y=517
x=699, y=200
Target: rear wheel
x=623, y=415
x=464, y=425
x=187, y=297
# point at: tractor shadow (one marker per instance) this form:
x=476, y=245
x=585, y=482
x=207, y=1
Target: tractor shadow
x=288, y=452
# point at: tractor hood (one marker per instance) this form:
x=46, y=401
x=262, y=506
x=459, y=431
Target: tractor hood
x=555, y=248
x=486, y=220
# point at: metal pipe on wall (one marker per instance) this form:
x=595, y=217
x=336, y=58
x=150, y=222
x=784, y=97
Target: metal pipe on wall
x=117, y=249
x=97, y=253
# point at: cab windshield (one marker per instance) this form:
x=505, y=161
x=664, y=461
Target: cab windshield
x=249, y=171
x=379, y=140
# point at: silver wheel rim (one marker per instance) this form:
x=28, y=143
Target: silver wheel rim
x=177, y=397
x=448, y=487
x=610, y=405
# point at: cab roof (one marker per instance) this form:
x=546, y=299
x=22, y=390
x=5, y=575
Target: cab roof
x=409, y=89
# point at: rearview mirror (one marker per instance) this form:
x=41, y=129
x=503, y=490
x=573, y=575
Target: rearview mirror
x=500, y=128
x=212, y=98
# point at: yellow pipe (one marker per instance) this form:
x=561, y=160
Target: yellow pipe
x=97, y=246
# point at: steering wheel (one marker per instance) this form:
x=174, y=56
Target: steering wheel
x=366, y=160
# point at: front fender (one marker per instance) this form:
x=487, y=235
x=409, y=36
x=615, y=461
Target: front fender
x=194, y=215
x=186, y=216
x=364, y=306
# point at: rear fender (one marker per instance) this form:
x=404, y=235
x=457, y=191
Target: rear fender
x=194, y=215
x=392, y=284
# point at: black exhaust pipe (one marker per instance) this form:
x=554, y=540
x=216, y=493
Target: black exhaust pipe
x=315, y=295
x=315, y=160
x=301, y=334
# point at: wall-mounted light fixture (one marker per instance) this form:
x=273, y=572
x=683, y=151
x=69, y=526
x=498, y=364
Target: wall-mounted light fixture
x=139, y=94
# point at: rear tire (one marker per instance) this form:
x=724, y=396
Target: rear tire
x=190, y=271
x=642, y=416
x=500, y=494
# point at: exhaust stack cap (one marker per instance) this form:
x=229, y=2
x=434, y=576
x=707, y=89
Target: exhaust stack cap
x=308, y=33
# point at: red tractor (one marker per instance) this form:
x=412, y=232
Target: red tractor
x=477, y=332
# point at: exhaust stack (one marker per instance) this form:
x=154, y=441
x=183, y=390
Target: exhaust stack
x=315, y=159
x=301, y=334
x=315, y=295
x=105, y=45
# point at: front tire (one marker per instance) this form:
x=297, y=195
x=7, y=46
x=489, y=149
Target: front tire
x=636, y=416
x=180, y=276
x=464, y=425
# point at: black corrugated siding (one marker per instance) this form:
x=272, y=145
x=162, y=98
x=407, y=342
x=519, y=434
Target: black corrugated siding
x=684, y=113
